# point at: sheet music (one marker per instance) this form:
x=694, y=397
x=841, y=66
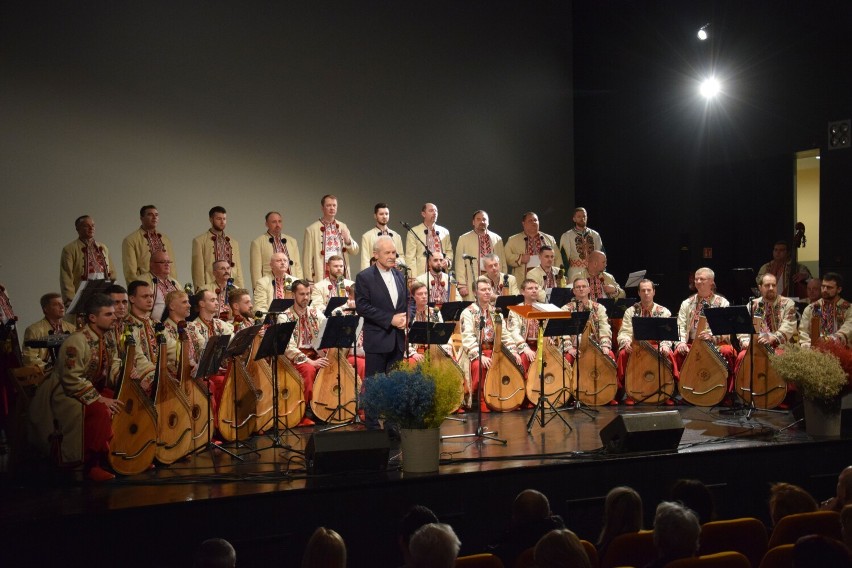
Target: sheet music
x=545, y=307
x=73, y=304
x=534, y=261
x=634, y=278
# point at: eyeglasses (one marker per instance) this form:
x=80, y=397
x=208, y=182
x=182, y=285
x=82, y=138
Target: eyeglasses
x=162, y=262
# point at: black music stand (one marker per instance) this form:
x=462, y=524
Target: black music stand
x=334, y=303
x=276, y=308
x=274, y=343
x=451, y=311
x=615, y=308
x=731, y=321
x=555, y=327
x=503, y=303
x=560, y=296
x=659, y=330
x=575, y=327
x=340, y=333
x=87, y=289
x=209, y=364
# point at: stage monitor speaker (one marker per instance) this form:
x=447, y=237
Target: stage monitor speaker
x=643, y=432
x=356, y=450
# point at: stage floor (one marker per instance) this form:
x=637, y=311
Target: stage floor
x=568, y=464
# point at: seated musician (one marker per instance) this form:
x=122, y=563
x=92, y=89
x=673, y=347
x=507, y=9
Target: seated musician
x=602, y=284
x=814, y=290
x=177, y=310
x=691, y=311
x=304, y=357
x=780, y=267
x=645, y=308
x=51, y=324
x=276, y=286
x=221, y=285
x=501, y=283
x=79, y=396
x=546, y=275
x=601, y=332
x=525, y=331
x=205, y=326
x=242, y=310
x=834, y=313
x=357, y=360
x=422, y=312
x=477, y=325
x=777, y=314
x=436, y=280
x=332, y=286
x=140, y=295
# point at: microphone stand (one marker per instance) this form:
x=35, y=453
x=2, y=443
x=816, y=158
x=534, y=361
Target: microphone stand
x=428, y=254
x=482, y=433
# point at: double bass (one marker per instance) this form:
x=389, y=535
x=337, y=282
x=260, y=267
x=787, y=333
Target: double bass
x=640, y=377
x=766, y=389
x=704, y=374
x=134, y=443
x=503, y=388
x=290, y=393
x=594, y=372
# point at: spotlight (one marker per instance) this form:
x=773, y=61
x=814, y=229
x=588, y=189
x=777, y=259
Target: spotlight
x=710, y=88
x=702, y=32
x=839, y=134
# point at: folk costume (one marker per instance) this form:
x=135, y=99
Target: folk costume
x=576, y=246
x=262, y=249
x=476, y=245
x=322, y=241
x=368, y=239
x=81, y=260
x=136, y=249
x=519, y=245
x=209, y=247
x=835, y=322
x=437, y=239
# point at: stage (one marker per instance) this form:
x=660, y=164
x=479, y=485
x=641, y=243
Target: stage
x=268, y=505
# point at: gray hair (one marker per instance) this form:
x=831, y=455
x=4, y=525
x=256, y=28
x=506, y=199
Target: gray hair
x=434, y=546
x=707, y=271
x=491, y=256
x=676, y=530
x=383, y=239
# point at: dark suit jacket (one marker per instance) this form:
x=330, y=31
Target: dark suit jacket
x=373, y=302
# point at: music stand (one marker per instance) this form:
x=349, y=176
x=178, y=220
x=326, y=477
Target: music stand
x=731, y=321
x=209, y=364
x=87, y=289
x=659, y=330
x=503, y=303
x=340, y=332
x=575, y=327
x=615, y=308
x=560, y=296
x=274, y=343
x=334, y=303
x=557, y=325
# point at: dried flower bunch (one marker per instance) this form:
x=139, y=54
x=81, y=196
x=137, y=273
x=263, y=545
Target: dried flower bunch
x=818, y=375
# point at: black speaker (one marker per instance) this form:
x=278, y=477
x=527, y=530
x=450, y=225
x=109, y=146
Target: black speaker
x=355, y=450
x=645, y=432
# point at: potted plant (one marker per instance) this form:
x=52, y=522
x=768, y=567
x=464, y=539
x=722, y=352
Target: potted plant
x=417, y=399
x=821, y=379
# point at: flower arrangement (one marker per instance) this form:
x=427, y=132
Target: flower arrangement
x=816, y=373
x=413, y=397
x=843, y=354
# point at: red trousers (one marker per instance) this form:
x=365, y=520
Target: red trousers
x=216, y=385
x=97, y=430
x=308, y=373
x=359, y=364
x=477, y=374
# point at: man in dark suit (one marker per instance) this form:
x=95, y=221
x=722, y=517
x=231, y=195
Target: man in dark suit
x=381, y=298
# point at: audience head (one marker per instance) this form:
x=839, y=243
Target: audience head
x=215, y=553
x=844, y=487
x=696, y=496
x=560, y=549
x=530, y=506
x=676, y=531
x=415, y=518
x=622, y=514
x=818, y=551
x=325, y=549
x=788, y=499
x=434, y=546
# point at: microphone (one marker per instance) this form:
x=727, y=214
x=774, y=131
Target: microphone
x=468, y=257
x=402, y=265
x=230, y=283
x=406, y=225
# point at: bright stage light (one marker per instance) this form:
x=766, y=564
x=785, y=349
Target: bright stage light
x=710, y=88
x=702, y=33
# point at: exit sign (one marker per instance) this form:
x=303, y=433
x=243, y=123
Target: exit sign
x=708, y=252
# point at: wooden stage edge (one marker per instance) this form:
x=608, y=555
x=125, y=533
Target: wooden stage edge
x=268, y=505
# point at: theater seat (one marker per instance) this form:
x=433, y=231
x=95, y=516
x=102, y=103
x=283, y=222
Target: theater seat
x=792, y=527
x=591, y=552
x=728, y=559
x=479, y=561
x=631, y=549
x=778, y=557
x=746, y=535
